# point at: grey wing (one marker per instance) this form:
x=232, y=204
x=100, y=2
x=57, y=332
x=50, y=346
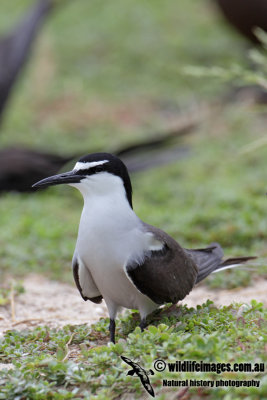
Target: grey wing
x=165, y=275
x=84, y=281
x=207, y=260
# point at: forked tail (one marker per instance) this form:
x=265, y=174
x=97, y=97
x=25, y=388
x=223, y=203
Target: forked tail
x=210, y=260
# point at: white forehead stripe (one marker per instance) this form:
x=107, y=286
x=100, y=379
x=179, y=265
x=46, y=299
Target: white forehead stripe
x=86, y=165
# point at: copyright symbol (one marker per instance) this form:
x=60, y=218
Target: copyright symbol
x=159, y=365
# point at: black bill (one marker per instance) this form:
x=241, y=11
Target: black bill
x=66, y=177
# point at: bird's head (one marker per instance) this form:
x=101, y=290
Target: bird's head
x=97, y=173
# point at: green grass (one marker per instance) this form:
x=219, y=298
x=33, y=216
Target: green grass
x=45, y=369
x=103, y=75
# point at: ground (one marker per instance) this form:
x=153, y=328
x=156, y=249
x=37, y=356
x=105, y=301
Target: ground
x=60, y=303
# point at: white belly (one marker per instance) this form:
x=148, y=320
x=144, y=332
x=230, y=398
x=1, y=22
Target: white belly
x=105, y=250
x=111, y=280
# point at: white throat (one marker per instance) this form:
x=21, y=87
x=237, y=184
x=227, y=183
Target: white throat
x=105, y=203
x=103, y=188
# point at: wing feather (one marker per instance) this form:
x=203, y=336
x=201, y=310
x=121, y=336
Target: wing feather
x=167, y=275
x=85, y=282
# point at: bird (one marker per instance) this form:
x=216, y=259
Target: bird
x=141, y=373
x=15, y=48
x=245, y=16
x=120, y=258
x=21, y=167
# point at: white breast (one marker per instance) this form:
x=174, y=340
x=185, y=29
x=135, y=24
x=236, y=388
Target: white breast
x=110, y=235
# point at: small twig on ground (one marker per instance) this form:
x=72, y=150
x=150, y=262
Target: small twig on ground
x=27, y=320
x=67, y=347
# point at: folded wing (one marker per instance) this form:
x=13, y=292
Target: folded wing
x=166, y=275
x=84, y=281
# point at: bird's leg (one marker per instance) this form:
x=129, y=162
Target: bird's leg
x=112, y=326
x=143, y=324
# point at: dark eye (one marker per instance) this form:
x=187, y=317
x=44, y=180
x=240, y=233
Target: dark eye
x=98, y=168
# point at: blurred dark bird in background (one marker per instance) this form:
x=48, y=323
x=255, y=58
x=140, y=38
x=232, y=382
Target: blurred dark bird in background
x=15, y=48
x=245, y=16
x=20, y=167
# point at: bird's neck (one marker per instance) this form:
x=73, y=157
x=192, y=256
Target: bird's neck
x=106, y=188
x=109, y=213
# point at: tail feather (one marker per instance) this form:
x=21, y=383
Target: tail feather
x=237, y=260
x=210, y=260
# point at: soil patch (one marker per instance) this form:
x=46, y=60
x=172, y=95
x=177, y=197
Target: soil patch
x=57, y=304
